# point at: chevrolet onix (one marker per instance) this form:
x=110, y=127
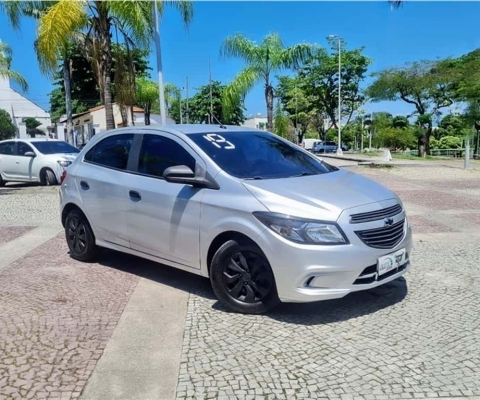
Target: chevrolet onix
x=264, y=220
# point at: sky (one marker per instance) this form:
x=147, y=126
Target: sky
x=416, y=31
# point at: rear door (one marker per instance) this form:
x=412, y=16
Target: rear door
x=8, y=159
x=164, y=218
x=101, y=181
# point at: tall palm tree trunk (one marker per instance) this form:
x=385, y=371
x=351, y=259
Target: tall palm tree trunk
x=269, y=100
x=67, y=83
x=103, y=32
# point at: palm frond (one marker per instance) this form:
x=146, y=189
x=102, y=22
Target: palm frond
x=13, y=11
x=396, y=3
x=134, y=19
x=55, y=28
x=16, y=77
x=241, y=47
x=185, y=7
x=236, y=91
x=5, y=50
x=294, y=56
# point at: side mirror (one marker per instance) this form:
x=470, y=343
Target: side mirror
x=29, y=154
x=183, y=174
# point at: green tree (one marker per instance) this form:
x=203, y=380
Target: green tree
x=200, y=107
x=64, y=18
x=7, y=127
x=146, y=96
x=263, y=60
x=32, y=124
x=319, y=77
x=299, y=108
x=426, y=85
x=5, y=64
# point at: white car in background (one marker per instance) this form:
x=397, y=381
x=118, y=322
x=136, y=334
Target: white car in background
x=35, y=160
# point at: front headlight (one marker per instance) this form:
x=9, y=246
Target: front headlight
x=64, y=163
x=301, y=230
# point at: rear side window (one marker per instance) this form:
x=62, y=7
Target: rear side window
x=7, y=148
x=159, y=153
x=111, y=152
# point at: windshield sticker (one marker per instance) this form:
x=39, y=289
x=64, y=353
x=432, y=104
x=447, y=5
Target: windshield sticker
x=217, y=140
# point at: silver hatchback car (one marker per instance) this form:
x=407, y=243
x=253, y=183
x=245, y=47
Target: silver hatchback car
x=263, y=219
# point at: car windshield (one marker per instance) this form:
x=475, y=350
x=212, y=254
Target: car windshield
x=258, y=155
x=54, y=147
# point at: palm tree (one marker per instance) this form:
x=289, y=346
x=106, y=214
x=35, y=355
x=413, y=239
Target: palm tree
x=5, y=71
x=146, y=95
x=97, y=18
x=263, y=60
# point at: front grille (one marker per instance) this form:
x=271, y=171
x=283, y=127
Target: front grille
x=376, y=215
x=383, y=238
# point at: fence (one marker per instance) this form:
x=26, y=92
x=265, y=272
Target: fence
x=457, y=153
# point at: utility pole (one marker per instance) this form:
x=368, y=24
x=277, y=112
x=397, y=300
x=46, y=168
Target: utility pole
x=339, y=147
x=363, y=124
x=296, y=116
x=187, y=111
x=211, y=94
x=180, y=105
x=161, y=89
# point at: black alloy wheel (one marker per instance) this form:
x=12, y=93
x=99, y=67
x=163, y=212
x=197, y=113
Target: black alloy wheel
x=80, y=238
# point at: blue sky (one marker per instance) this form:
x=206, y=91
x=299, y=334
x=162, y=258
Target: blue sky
x=418, y=30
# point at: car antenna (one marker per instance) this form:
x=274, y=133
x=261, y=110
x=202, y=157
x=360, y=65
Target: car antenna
x=221, y=125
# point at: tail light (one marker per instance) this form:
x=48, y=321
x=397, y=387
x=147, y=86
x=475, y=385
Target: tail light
x=64, y=175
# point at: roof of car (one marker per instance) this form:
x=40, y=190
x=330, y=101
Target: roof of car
x=33, y=140
x=188, y=129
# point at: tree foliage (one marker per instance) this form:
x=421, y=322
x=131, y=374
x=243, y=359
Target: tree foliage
x=5, y=64
x=427, y=85
x=7, y=127
x=262, y=61
x=146, y=96
x=199, y=107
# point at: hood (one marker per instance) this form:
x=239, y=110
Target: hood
x=64, y=156
x=318, y=196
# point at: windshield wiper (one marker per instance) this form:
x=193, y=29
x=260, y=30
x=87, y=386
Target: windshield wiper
x=303, y=174
x=254, y=178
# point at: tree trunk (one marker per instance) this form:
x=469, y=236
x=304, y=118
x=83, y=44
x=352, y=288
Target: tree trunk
x=146, y=113
x=68, y=97
x=103, y=25
x=269, y=100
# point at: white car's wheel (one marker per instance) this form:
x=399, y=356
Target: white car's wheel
x=48, y=178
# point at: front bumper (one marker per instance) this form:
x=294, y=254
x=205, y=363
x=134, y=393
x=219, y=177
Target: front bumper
x=308, y=273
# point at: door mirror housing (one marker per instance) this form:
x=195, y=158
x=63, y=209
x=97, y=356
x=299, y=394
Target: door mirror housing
x=29, y=154
x=184, y=175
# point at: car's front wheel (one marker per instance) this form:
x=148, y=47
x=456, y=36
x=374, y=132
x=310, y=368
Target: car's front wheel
x=242, y=278
x=80, y=237
x=2, y=182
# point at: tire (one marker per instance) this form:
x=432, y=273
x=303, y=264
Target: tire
x=80, y=237
x=48, y=178
x=321, y=151
x=242, y=279
x=2, y=182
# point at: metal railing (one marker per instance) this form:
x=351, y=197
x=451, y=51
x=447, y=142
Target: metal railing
x=455, y=153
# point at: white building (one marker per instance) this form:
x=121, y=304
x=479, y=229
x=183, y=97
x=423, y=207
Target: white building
x=256, y=122
x=19, y=107
x=93, y=121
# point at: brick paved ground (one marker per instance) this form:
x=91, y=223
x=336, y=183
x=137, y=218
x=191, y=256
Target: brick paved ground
x=414, y=338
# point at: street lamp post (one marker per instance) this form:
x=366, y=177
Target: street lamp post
x=161, y=89
x=339, y=147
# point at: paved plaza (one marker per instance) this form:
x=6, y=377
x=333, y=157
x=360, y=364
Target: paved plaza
x=125, y=328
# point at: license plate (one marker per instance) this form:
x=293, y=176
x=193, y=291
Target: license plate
x=391, y=261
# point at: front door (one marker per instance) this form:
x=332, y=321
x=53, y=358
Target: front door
x=163, y=218
x=23, y=163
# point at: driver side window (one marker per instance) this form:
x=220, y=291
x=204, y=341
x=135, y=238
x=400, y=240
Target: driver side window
x=23, y=148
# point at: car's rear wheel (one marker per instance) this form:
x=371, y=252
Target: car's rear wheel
x=242, y=278
x=48, y=178
x=321, y=151
x=80, y=237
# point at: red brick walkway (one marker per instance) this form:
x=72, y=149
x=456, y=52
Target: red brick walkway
x=56, y=318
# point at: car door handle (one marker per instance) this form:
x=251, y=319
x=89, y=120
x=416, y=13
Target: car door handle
x=134, y=196
x=17, y=162
x=84, y=185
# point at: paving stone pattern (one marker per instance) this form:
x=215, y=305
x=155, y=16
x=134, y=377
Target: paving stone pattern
x=416, y=337
x=8, y=233
x=56, y=318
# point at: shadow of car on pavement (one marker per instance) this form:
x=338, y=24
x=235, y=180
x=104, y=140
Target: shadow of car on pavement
x=354, y=305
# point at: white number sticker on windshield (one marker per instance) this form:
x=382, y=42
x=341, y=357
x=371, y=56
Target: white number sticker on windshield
x=219, y=141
